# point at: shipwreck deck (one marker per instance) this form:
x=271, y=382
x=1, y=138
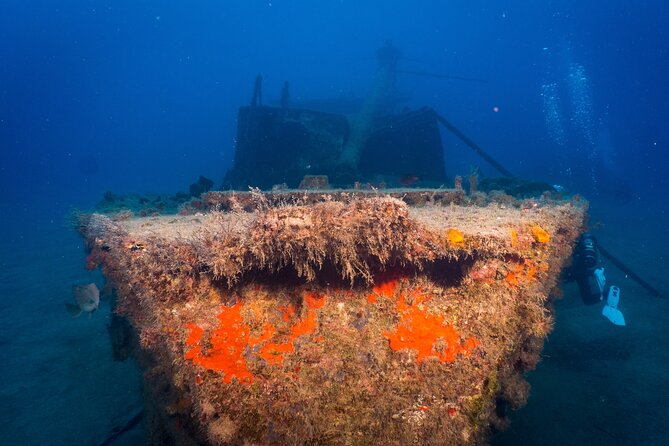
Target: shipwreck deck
x=336, y=318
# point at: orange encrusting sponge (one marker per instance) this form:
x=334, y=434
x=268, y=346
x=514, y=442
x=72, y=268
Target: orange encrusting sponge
x=421, y=331
x=540, y=234
x=231, y=342
x=228, y=343
x=455, y=237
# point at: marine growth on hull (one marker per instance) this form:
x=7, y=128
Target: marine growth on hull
x=407, y=317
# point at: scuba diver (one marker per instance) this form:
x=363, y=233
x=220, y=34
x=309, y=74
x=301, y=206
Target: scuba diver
x=586, y=271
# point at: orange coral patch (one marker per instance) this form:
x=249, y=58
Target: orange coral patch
x=387, y=289
x=227, y=347
x=232, y=340
x=531, y=269
x=195, y=334
x=231, y=343
x=287, y=312
x=273, y=353
x=521, y=272
x=540, y=235
x=305, y=326
x=469, y=345
x=426, y=333
x=512, y=279
x=455, y=237
x=193, y=340
x=314, y=300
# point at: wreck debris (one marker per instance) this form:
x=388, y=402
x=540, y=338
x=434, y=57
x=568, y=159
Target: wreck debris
x=310, y=182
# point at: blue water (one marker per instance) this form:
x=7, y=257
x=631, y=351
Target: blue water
x=142, y=97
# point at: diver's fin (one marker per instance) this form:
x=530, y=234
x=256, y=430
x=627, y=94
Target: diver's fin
x=74, y=310
x=610, y=310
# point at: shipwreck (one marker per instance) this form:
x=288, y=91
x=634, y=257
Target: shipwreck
x=336, y=306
